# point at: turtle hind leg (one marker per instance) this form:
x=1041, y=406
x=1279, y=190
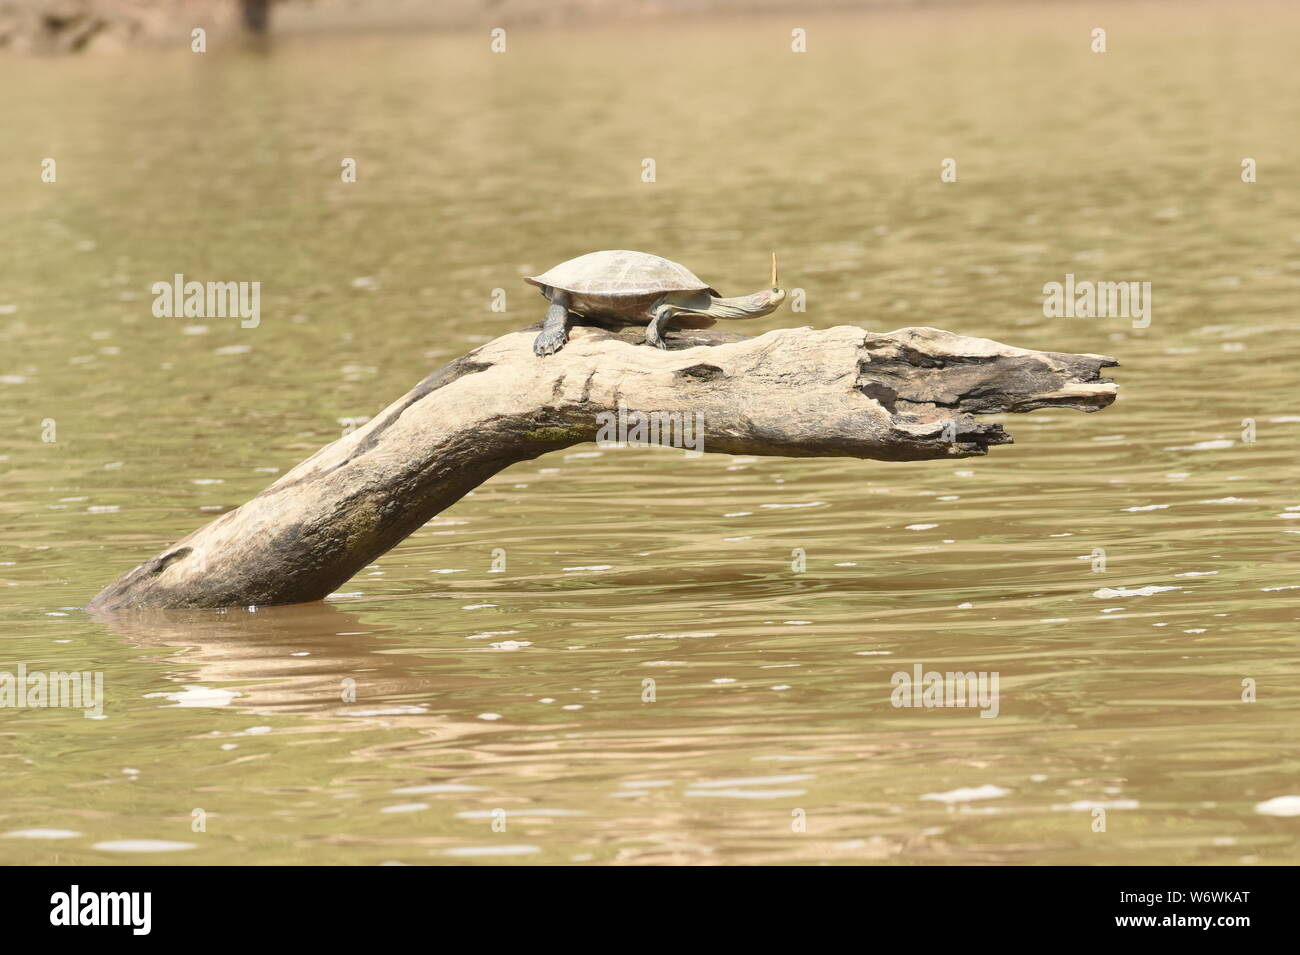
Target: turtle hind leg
x=555, y=329
x=654, y=332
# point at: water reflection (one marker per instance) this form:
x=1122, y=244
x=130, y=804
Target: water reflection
x=285, y=659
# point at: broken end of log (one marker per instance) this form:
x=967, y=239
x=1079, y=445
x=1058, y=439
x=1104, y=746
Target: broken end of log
x=934, y=382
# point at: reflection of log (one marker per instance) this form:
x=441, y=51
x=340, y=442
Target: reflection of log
x=898, y=396
x=250, y=662
x=252, y=655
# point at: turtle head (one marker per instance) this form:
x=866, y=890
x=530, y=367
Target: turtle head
x=751, y=306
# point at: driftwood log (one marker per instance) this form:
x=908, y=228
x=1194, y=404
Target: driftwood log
x=71, y=26
x=898, y=396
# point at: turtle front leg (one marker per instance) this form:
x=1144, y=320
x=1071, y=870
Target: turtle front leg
x=555, y=328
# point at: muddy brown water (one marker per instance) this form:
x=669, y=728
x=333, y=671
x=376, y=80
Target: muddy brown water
x=1128, y=575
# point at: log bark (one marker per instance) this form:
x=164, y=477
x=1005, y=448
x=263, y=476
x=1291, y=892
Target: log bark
x=899, y=396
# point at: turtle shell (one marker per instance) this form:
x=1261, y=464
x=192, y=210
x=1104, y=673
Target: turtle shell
x=620, y=272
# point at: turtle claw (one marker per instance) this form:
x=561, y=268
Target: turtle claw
x=548, y=342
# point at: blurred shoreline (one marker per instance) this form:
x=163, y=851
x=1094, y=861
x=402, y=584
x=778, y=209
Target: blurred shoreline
x=54, y=27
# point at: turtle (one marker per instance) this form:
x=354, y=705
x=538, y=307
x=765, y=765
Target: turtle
x=634, y=288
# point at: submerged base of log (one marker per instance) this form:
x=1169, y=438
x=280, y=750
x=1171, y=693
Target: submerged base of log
x=839, y=392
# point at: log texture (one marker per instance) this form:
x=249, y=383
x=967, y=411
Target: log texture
x=898, y=396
